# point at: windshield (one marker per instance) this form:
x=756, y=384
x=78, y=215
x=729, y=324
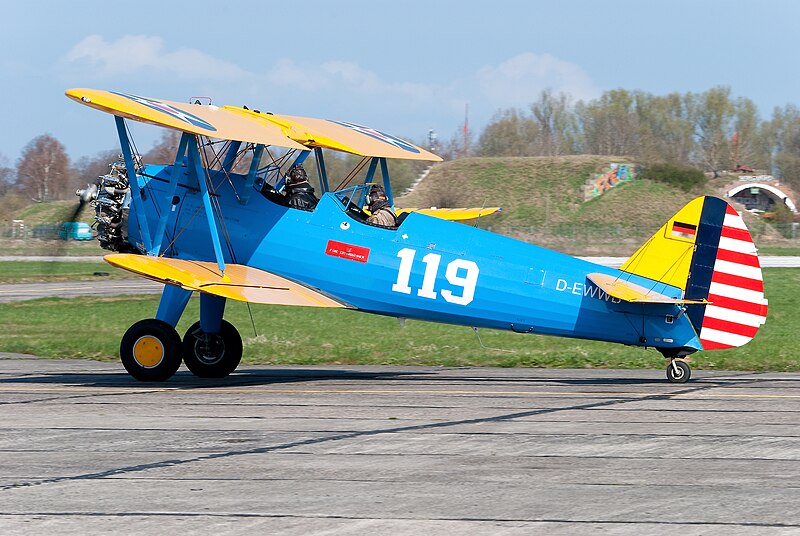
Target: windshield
x=353, y=196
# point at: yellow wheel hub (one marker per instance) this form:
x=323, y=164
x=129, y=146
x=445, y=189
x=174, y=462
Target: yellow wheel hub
x=148, y=351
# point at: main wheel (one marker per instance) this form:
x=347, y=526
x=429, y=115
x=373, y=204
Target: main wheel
x=151, y=350
x=681, y=374
x=212, y=355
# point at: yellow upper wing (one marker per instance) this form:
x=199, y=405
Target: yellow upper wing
x=292, y=130
x=241, y=124
x=342, y=136
x=201, y=119
x=243, y=283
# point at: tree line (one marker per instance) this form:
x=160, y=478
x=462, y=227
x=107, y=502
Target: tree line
x=44, y=171
x=711, y=132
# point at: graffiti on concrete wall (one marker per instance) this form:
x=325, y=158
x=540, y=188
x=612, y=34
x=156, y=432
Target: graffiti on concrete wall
x=612, y=176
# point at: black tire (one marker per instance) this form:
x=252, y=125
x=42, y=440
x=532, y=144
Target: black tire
x=683, y=373
x=212, y=355
x=151, y=350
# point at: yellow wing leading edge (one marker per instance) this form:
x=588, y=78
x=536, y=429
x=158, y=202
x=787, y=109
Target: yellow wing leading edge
x=242, y=124
x=201, y=119
x=239, y=282
x=340, y=136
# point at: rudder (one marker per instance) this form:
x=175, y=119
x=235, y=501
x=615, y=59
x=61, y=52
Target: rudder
x=707, y=251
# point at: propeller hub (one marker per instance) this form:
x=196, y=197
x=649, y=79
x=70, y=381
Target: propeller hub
x=87, y=194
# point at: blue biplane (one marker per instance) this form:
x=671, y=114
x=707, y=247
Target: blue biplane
x=199, y=225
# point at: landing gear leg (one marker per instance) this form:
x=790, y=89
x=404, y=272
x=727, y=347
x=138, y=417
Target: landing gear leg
x=678, y=371
x=212, y=348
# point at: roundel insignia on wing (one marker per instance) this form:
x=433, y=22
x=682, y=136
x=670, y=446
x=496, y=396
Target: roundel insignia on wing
x=386, y=138
x=173, y=112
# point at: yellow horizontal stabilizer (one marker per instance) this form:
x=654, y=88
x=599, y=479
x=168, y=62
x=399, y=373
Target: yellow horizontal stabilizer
x=353, y=138
x=631, y=292
x=453, y=214
x=202, y=119
x=243, y=283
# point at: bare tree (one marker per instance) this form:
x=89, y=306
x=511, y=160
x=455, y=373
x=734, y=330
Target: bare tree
x=785, y=139
x=556, y=124
x=164, y=151
x=88, y=168
x=6, y=176
x=610, y=124
x=43, y=171
x=713, y=118
x=509, y=134
x=459, y=141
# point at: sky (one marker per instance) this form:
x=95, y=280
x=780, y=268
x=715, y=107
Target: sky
x=401, y=67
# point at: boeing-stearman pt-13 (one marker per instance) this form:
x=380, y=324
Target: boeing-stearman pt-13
x=198, y=226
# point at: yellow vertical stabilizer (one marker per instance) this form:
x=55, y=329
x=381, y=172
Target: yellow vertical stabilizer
x=667, y=255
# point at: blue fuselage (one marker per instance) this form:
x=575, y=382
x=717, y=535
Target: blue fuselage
x=427, y=268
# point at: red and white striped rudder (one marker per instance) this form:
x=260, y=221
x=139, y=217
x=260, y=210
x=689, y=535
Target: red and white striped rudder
x=737, y=307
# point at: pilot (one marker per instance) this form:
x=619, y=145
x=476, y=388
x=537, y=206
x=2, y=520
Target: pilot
x=298, y=191
x=378, y=205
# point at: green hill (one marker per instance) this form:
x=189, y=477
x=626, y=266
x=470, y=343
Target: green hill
x=53, y=213
x=543, y=202
x=42, y=222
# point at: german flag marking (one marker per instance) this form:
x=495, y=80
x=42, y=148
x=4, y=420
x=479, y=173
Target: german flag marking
x=684, y=230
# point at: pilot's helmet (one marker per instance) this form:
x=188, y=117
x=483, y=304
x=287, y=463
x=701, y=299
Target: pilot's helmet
x=377, y=196
x=296, y=175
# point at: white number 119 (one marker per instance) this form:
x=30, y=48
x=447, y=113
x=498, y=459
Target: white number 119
x=466, y=282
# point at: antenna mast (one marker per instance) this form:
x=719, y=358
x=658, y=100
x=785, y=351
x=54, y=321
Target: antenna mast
x=466, y=126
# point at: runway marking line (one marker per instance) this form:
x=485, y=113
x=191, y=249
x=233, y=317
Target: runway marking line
x=179, y=390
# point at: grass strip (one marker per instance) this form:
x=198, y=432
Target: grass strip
x=92, y=328
x=45, y=271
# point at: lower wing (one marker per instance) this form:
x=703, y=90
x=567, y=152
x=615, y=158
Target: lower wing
x=239, y=282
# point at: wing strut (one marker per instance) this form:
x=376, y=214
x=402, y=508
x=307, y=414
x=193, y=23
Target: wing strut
x=196, y=170
x=133, y=180
x=323, y=173
x=247, y=189
x=387, y=184
x=158, y=239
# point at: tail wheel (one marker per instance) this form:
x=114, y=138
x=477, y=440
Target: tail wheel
x=678, y=371
x=212, y=355
x=151, y=350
